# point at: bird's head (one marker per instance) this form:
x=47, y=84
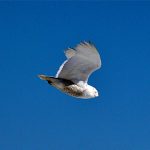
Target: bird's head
x=91, y=92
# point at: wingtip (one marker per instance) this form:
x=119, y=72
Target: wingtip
x=87, y=43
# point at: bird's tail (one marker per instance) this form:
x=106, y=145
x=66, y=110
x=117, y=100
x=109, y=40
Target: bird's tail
x=57, y=82
x=43, y=77
x=47, y=78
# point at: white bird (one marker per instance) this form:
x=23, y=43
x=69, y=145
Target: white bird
x=73, y=74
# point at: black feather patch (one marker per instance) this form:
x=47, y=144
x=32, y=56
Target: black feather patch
x=64, y=81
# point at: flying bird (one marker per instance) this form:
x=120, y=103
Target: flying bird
x=72, y=76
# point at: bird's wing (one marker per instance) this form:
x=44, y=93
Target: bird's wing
x=70, y=52
x=84, y=60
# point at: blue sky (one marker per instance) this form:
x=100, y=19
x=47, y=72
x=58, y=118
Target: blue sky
x=36, y=116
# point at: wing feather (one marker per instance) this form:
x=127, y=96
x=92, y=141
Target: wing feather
x=81, y=64
x=70, y=53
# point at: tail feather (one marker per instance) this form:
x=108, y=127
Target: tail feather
x=43, y=77
x=48, y=78
x=57, y=82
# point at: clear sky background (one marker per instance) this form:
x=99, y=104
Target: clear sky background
x=36, y=116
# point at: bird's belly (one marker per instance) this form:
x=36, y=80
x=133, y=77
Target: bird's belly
x=74, y=90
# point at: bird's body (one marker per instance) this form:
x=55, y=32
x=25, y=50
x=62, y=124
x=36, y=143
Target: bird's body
x=73, y=74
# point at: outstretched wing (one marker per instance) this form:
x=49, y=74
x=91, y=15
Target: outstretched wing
x=82, y=61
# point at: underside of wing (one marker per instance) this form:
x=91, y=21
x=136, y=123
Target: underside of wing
x=70, y=53
x=83, y=60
